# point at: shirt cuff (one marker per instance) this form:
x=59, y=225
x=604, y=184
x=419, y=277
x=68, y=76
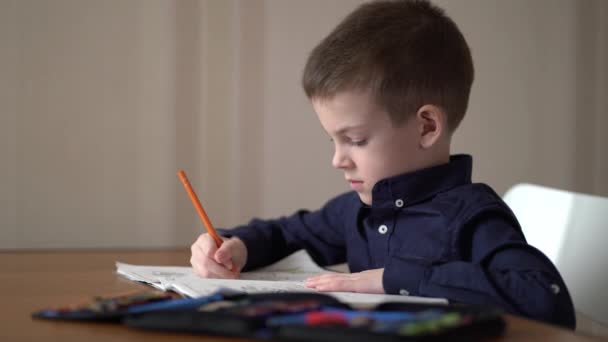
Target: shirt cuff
x=403, y=276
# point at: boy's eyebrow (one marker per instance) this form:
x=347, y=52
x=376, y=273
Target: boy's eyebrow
x=348, y=128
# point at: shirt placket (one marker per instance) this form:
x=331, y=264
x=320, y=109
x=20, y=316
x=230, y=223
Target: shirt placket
x=378, y=233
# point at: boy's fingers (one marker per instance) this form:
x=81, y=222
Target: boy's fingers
x=209, y=261
x=203, y=259
x=197, y=253
x=207, y=244
x=208, y=268
x=223, y=255
x=216, y=270
x=198, y=259
x=369, y=281
x=329, y=282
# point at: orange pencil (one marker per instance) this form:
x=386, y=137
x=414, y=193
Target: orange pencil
x=199, y=208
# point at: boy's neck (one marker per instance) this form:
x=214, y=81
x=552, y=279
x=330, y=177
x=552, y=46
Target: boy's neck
x=438, y=154
x=437, y=160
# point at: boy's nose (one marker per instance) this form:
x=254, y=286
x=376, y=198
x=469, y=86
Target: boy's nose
x=340, y=160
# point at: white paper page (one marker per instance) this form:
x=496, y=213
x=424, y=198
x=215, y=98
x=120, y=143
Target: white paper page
x=298, y=262
x=297, y=266
x=276, y=276
x=194, y=286
x=286, y=275
x=160, y=277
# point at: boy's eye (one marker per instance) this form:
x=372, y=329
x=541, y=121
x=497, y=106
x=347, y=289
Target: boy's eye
x=358, y=143
x=352, y=142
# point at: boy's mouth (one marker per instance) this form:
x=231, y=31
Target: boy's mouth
x=355, y=184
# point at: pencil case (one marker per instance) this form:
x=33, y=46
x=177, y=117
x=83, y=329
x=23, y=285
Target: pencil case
x=113, y=308
x=238, y=316
x=319, y=317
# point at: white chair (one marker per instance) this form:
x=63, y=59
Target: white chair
x=572, y=230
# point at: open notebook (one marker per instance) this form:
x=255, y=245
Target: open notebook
x=286, y=275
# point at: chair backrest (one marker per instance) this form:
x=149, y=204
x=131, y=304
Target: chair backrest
x=572, y=230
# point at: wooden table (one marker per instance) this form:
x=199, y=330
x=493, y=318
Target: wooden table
x=33, y=280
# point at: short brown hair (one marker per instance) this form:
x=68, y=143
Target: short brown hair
x=407, y=52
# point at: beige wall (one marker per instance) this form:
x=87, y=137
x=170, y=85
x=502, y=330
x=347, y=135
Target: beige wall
x=538, y=107
x=102, y=101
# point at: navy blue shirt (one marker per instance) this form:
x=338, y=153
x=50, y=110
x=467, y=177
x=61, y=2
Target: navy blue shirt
x=434, y=232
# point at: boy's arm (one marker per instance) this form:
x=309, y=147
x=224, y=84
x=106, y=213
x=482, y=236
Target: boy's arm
x=500, y=269
x=320, y=232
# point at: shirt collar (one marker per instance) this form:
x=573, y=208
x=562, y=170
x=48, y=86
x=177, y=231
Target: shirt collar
x=412, y=187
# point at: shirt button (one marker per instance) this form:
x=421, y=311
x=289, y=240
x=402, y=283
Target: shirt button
x=399, y=203
x=404, y=292
x=555, y=288
x=382, y=229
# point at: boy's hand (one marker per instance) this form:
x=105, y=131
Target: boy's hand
x=369, y=281
x=209, y=261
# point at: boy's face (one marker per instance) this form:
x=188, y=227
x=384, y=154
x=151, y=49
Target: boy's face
x=368, y=146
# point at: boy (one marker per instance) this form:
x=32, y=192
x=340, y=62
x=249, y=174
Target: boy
x=390, y=85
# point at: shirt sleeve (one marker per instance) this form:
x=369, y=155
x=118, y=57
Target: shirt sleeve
x=320, y=232
x=497, y=268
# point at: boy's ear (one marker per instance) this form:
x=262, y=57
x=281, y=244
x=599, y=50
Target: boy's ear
x=431, y=122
